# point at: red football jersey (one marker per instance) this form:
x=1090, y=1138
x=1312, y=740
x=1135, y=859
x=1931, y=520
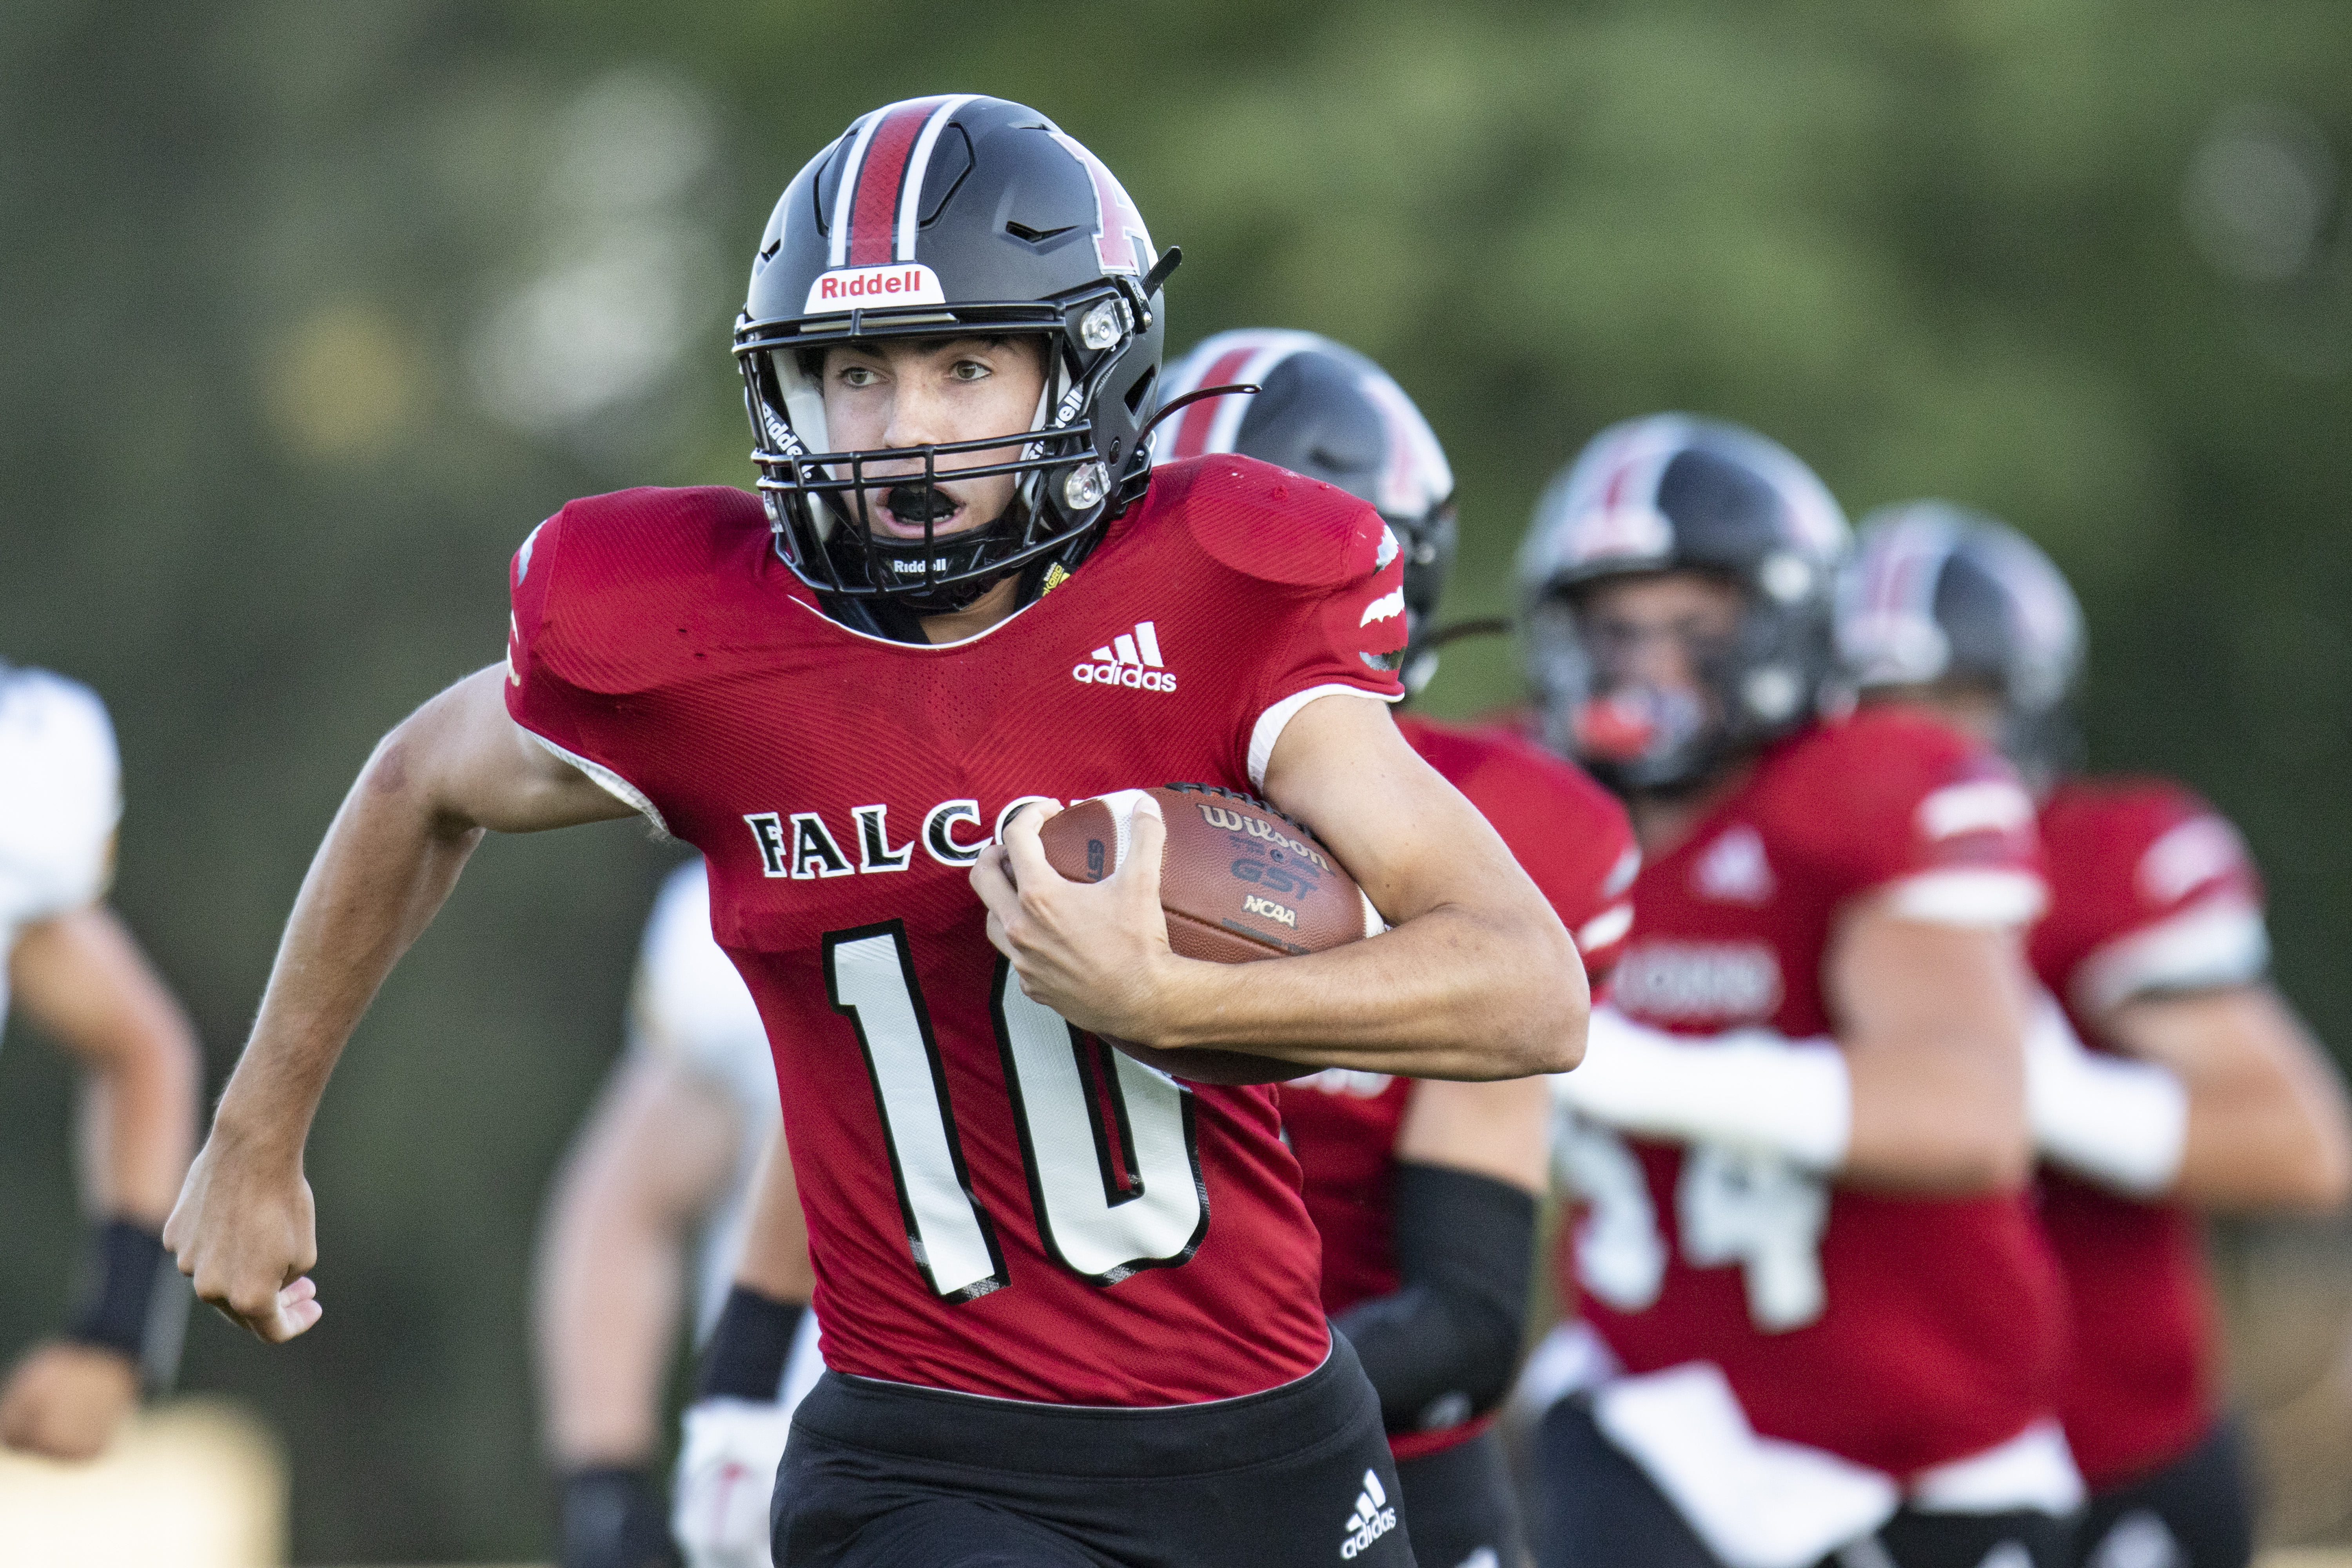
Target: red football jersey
x=2149, y=891
x=1900, y=1333
x=1573, y=838
x=996, y=1204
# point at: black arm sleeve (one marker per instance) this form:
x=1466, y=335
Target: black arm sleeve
x=1442, y=1348
x=748, y=1347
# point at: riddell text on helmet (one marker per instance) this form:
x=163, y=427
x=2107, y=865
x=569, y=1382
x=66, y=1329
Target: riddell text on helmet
x=859, y=288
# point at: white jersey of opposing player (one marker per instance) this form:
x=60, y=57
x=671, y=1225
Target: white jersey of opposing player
x=60, y=800
x=693, y=1009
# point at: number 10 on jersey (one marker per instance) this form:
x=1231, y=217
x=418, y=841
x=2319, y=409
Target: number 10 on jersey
x=1107, y=1144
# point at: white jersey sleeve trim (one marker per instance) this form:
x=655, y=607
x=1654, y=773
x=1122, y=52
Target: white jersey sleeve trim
x=1994, y=805
x=1608, y=926
x=608, y=780
x=1975, y=900
x=1275, y=720
x=2220, y=942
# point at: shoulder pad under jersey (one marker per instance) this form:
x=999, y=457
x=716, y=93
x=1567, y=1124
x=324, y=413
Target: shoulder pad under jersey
x=1273, y=525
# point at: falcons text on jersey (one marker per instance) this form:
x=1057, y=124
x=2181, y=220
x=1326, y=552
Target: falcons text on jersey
x=1899, y=1333
x=997, y=1205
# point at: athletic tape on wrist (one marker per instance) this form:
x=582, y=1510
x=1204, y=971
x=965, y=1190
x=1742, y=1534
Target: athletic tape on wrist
x=121, y=1264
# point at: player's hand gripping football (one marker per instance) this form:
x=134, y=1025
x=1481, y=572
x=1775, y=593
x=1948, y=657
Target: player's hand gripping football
x=245, y=1231
x=1096, y=953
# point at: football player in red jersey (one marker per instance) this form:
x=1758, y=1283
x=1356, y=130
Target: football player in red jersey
x=1067, y=1301
x=2165, y=1076
x=1424, y=1193
x=1824, y=1323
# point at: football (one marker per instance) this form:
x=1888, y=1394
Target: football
x=1238, y=881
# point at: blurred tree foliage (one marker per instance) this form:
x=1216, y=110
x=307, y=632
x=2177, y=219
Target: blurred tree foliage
x=315, y=306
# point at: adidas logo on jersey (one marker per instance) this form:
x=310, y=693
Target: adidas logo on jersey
x=1373, y=1518
x=1734, y=869
x=1130, y=659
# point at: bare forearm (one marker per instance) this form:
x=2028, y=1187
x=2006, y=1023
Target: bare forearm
x=1940, y=1115
x=138, y=1131
x=1447, y=995
x=1932, y=1022
x=775, y=1259
x=82, y=979
x=2267, y=1126
x=608, y=1306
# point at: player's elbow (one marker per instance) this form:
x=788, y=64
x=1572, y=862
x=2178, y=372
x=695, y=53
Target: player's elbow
x=1549, y=1011
x=2320, y=1182
x=1965, y=1151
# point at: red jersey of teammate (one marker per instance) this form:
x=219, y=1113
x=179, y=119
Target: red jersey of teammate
x=1573, y=838
x=2149, y=891
x=1899, y=1332
x=996, y=1204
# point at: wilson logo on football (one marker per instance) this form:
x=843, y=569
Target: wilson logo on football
x=1130, y=659
x=863, y=288
x=1232, y=821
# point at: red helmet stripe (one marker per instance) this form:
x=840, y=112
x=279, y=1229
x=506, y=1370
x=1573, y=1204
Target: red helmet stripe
x=1193, y=422
x=1122, y=242
x=873, y=212
x=1612, y=494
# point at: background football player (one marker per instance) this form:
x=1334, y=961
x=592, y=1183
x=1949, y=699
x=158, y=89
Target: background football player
x=845, y=699
x=77, y=973
x=669, y=1156
x=1424, y=1193
x=1825, y=1320
x=2200, y=1090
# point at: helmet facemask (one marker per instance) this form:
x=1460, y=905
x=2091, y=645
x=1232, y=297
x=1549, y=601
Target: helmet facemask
x=1429, y=542
x=1642, y=736
x=820, y=502
x=1671, y=494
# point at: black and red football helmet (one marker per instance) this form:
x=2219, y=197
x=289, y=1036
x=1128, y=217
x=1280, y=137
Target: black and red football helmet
x=1937, y=593
x=1328, y=412
x=952, y=216
x=1674, y=492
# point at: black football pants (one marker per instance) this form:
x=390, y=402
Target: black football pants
x=1594, y=1507
x=2193, y=1513
x=881, y=1475
x=1460, y=1503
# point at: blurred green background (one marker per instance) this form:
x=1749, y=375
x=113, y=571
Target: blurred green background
x=313, y=308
